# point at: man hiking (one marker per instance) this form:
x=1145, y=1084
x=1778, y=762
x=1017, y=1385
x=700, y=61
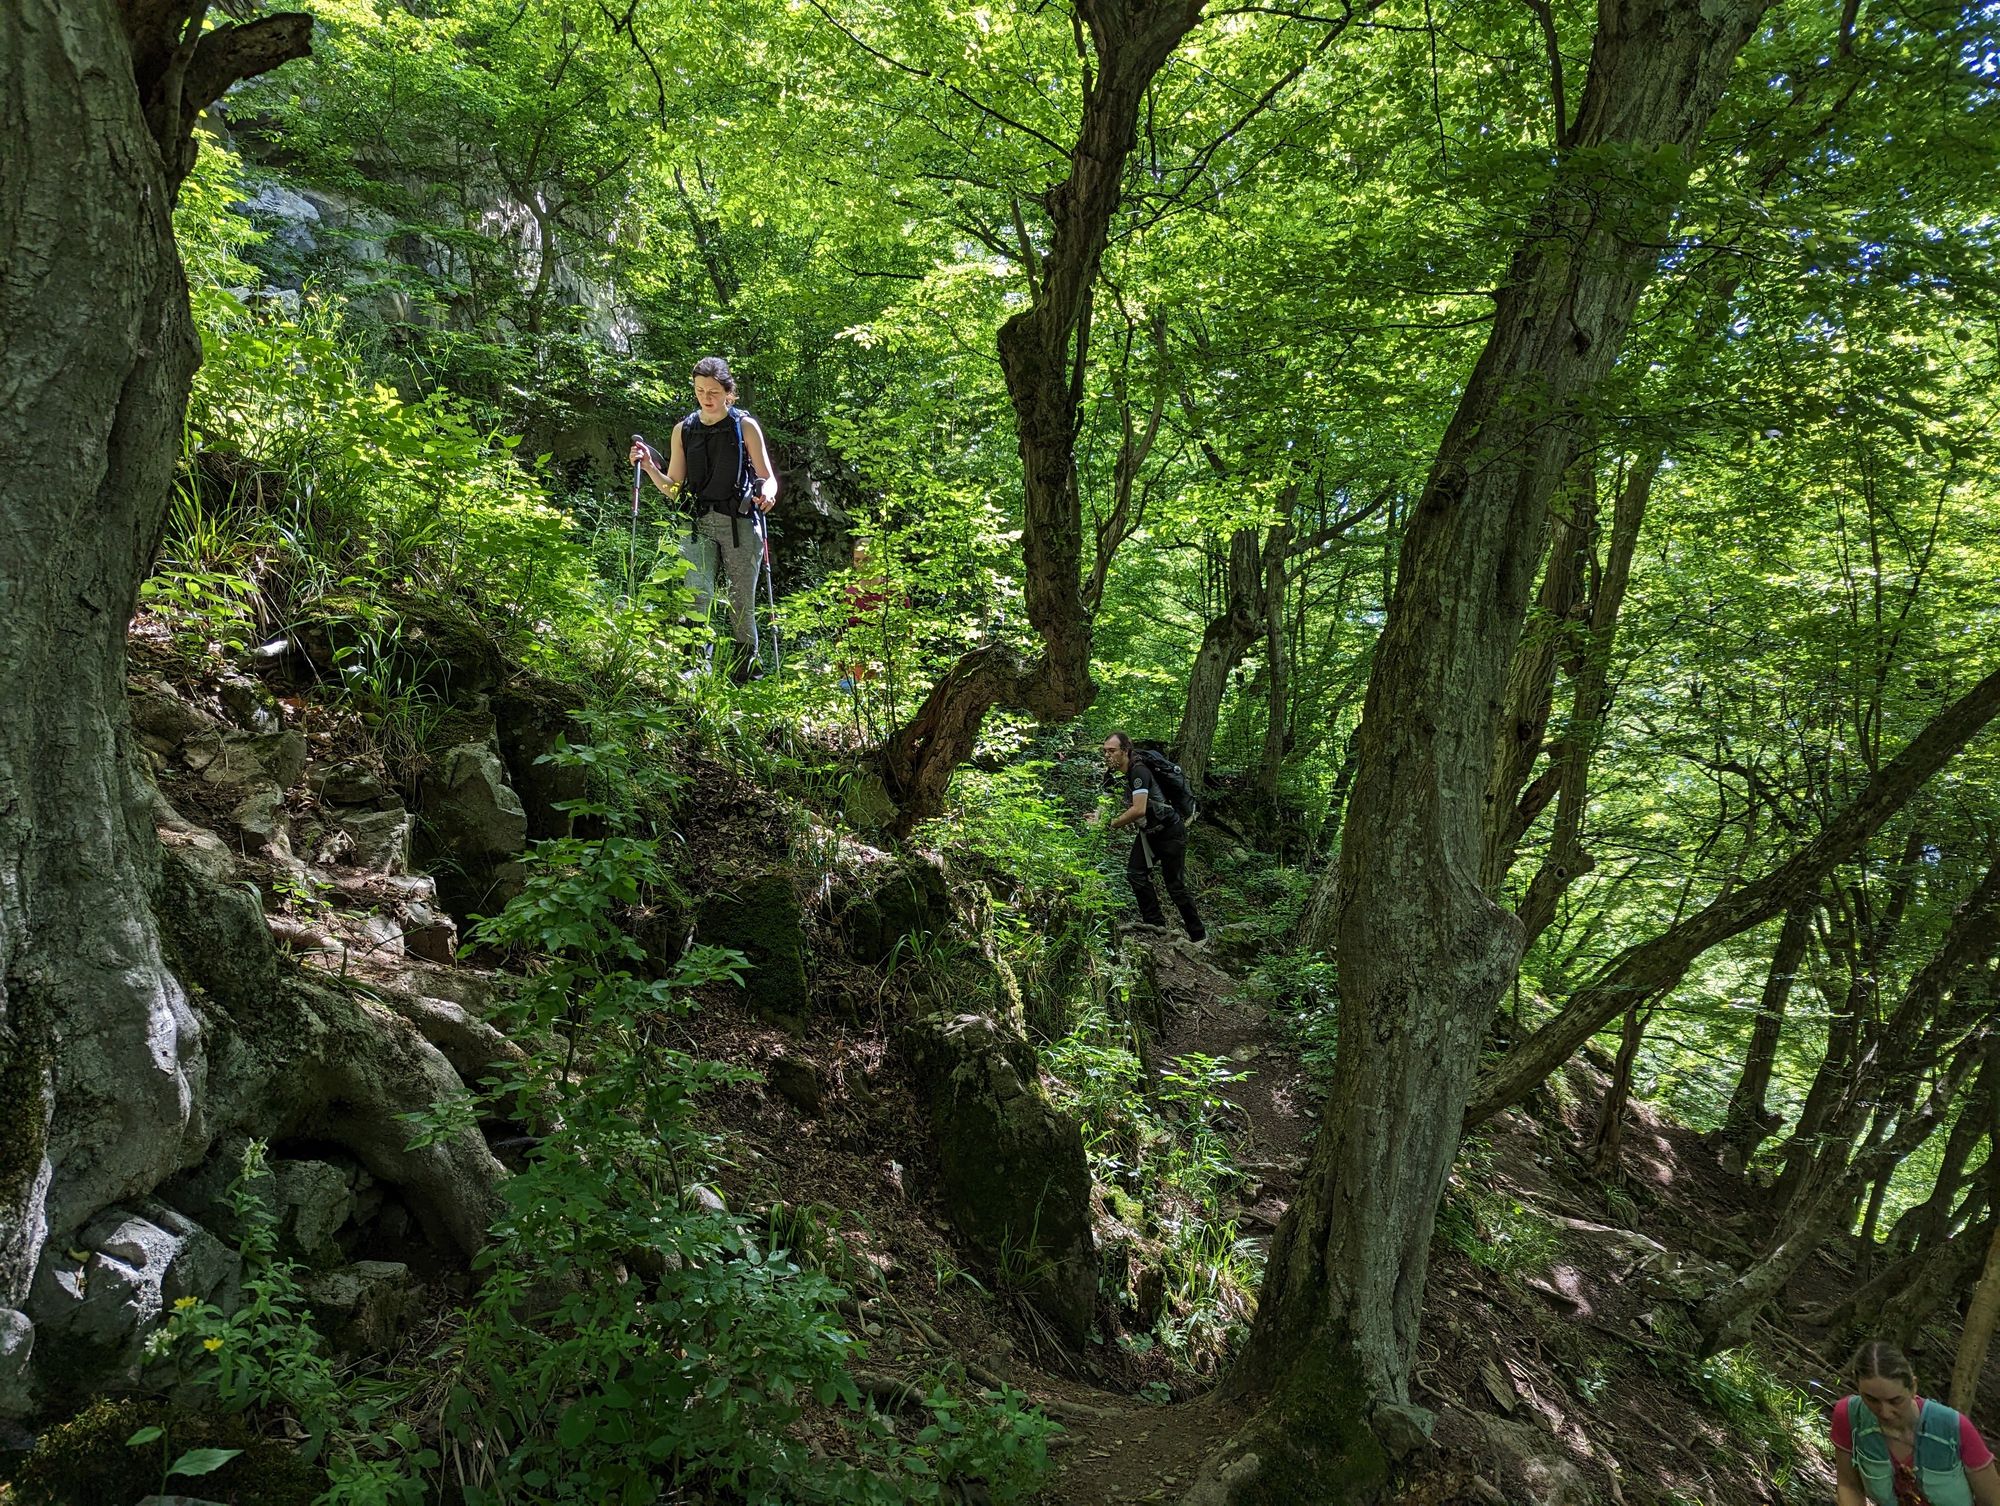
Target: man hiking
x=1161, y=840
x=717, y=461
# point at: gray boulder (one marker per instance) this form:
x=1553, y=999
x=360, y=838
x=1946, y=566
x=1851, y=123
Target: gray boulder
x=95, y=1313
x=906, y=900
x=260, y=815
x=161, y=718
x=380, y=838
x=429, y=934
x=250, y=703
x=365, y=1306
x=759, y=916
x=314, y=1198
x=1011, y=1169
x=236, y=759
x=17, y=1347
x=473, y=813
x=347, y=783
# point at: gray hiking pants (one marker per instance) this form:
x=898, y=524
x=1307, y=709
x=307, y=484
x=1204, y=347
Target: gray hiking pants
x=734, y=543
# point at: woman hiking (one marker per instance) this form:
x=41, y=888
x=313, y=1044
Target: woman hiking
x=717, y=460
x=1892, y=1447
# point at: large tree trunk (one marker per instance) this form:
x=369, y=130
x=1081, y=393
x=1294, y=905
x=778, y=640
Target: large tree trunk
x=101, y=1060
x=1657, y=964
x=100, y=1055
x=1424, y=955
x=1044, y=353
x=1747, y=1123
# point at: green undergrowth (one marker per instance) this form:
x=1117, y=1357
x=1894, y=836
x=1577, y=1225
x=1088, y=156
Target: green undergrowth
x=1487, y=1224
x=630, y=1339
x=629, y=1332
x=1169, y=1177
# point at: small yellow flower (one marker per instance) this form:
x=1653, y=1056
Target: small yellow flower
x=182, y=1304
x=211, y=1345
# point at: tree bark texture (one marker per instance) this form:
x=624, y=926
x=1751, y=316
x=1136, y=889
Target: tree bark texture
x=1976, y=1338
x=1043, y=355
x=1746, y=1123
x=103, y=1061
x=1658, y=964
x=1424, y=954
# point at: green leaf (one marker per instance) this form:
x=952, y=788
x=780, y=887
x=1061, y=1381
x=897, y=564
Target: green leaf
x=145, y=1436
x=202, y=1461
x=576, y=1427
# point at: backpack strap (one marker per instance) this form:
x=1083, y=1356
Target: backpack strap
x=746, y=474
x=743, y=468
x=1937, y=1437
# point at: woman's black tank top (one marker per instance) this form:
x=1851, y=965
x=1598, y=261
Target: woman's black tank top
x=714, y=462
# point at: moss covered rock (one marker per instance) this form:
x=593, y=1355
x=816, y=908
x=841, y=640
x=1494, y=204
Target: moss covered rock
x=1011, y=1169
x=760, y=917
x=87, y=1462
x=904, y=900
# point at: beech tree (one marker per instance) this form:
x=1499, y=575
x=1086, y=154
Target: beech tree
x=1423, y=953
x=100, y=1053
x=120, y=985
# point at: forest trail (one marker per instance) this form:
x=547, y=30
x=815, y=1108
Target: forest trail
x=1124, y=1449
x=1204, y=1011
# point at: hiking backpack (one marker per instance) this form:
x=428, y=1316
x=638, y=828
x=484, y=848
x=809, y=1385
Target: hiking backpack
x=1173, y=783
x=1939, y=1470
x=744, y=471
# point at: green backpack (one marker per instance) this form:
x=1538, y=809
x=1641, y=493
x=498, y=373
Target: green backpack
x=1938, y=1468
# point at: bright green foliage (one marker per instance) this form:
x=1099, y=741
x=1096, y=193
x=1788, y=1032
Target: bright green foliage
x=1165, y=1154
x=629, y=1333
x=1782, y=1422
x=1489, y=1225
x=552, y=209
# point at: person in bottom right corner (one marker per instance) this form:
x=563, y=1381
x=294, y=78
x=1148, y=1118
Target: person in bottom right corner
x=1892, y=1447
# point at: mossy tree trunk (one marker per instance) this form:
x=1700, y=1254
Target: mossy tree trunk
x=1424, y=954
x=1044, y=354
x=101, y=1057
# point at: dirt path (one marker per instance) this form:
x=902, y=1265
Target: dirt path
x=1135, y=1451
x=1203, y=1010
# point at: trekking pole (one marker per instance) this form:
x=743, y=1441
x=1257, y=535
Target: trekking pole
x=632, y=554
x=770, y=592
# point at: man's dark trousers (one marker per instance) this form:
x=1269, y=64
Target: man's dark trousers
x=1169, y=849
